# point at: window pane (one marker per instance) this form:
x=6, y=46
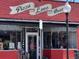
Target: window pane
x=10, y=38
x=62, y=39
x=47, y=39
x=55, y=40
x=10, y=35
x=72, y=39
x=55, y=37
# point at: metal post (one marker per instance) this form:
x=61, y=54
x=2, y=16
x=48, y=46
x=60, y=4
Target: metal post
x=41, y=49
x=41, y=38
x=67, y=33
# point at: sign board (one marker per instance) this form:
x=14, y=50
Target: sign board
x=21, y=8
x=56, y=11
x=37, y=10
x=40, y=9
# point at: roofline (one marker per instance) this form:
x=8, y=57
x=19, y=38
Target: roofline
x=37, y=21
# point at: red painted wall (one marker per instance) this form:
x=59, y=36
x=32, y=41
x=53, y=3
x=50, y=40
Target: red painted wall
x=5, y=11
x=77, y=38
x=6, y=54
x=58, y=54
x=71, y=54
x=47, y=53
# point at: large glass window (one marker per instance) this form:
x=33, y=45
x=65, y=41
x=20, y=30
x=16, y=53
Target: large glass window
x=57, y=39
x=10, y=37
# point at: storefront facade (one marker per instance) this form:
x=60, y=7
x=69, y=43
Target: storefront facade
x=20, y=33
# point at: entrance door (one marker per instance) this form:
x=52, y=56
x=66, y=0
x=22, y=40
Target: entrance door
x=32, y=45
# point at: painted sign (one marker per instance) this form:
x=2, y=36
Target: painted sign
x=37, y=10
x=56, y=11
x=40, y=9
x=21, y=8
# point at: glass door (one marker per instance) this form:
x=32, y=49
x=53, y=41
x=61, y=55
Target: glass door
x=32, y=45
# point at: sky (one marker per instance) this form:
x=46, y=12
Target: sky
x=68, y=0
x=76, y=0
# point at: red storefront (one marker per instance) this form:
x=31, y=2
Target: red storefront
x=19, y=30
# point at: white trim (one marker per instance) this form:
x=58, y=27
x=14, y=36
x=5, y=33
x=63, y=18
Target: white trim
x=8, y=50
x=60, y=49
x=37, y=21
x=32, y=33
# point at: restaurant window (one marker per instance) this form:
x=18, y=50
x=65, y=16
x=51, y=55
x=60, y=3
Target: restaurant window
x=58, y=39
x=10, y=37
